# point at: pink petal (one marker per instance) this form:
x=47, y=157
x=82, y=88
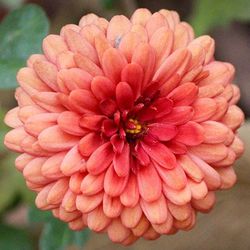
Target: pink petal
x=37, y=123
x=116, y=226
x=22, y=160
x=131, y=216
x=204, y=108
x=92, y=184
x=58, y=191
x=78, y=44
x=182, y=35
x=180, y=213
x=156, y=211
x=101, y=45
x=12, y=118
x=87, y=204
x=108, y=107
x=155, y=22
x=184, y=95
x=112, y=206
x=51, y=167
x=178, y=197
x=165, y=227
x=233, y=118
x=133, y=75
x=55, y=140
x=71, y=79
x=149, y=183
x=122, y=161
x=163, y=132
x=91, y=122
x=130, y=194
x=53, y=45
x=100, y=159
x=228, y=161
x=190, y=134
x=75, y=182
x=114, y=184
x=141, y=16
x=97, y=220
x=72, y=162
x=191, y=169
x=89, y=143
x=179, y=115
x=145, y=57
x=124, y=96
x=83, y=62
x=210, y=152
x=83, y=101
x=113, y=62
x=222, y=107
x=206, y=204
x=102, y=88
x=211, y=177
x=214, y=132
x=174, y=178
x=69, y=201
x=69, y=122
x=47, y=72
x=161, y=154
x=228, y=177
x=176, y=63
x=199, y=190
x=128, y=44
x=118, y=27
x=162, y=42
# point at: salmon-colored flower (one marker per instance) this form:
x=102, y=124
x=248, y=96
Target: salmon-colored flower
x=128, y=126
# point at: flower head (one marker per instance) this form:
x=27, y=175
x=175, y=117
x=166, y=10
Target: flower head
x=128, y=126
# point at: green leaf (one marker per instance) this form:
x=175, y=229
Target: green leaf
x=37, y=216
x=14, y=239
x=57, y=236
x=21, y=35
x=212, y=13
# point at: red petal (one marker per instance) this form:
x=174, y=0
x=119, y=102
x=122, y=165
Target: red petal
x=124, y=96
x=184, y=95
x=89, y=143
x=114, y=184
x=109, y=128
x=92, y=122
x=178, y=116
x=113, y=62
x=122, y=161
x=163, y=132
x=141, y=155
x=133, y=75
x=149, y=183
x=191, y=134
x=117, y=143
x=108, y=107
x=102, y=88
x=161, y=154
x=177, y=147
x=100, y=159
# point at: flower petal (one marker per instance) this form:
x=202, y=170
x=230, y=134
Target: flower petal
x=114, y=184
x=55, y=140
x=122, y=161
x=149, y=183
x=161, y=154
x=92, y=184
x=163, y=132
x=100, y=159
x=124, y=96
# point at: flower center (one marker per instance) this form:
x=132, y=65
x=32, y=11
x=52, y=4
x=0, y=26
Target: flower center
x=133, y=127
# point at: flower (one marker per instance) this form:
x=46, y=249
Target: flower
x=127, y=127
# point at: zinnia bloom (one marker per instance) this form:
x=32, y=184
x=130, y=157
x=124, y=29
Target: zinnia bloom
x=127, y=127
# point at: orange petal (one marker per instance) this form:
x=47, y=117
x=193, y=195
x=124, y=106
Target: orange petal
x=86, y=204
x=141, y=16
x=112, y=206
x=206, y=204
x=130, y=217
x=58, y=191
x=228, y=177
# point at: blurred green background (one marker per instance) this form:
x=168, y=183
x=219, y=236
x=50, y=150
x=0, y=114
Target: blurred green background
x=23, y=24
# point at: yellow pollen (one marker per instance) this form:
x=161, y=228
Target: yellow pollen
x=137, y=129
